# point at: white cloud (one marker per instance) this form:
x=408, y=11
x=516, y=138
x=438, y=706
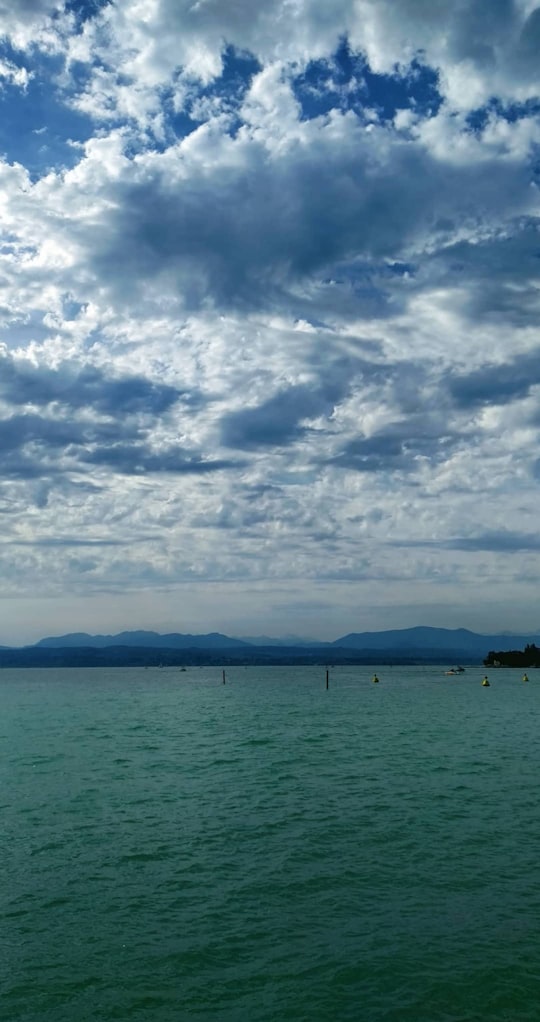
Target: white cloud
x=271, y=352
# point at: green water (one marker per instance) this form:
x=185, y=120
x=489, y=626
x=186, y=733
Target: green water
x=177, y=849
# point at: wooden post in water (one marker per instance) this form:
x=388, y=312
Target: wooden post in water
x=327, y=679
x=223, y=673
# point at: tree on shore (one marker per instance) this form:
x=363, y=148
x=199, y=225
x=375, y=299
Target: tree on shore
x=529, y=657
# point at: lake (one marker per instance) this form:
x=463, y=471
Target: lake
x=178, y=849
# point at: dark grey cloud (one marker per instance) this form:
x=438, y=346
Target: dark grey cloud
x=244, y=237
x=123, y=412
x=137, y=459
x=502, y=541
x=496, y=384
x=398, y=446
x=477, y=35
x=23, y=8
x=76, y=386
x=497, y=276
x=18, y=431
x=529, y=41
x=490, y=541
x=23, y=466
x=34, y=446
x=277, y=422
x=381, y=453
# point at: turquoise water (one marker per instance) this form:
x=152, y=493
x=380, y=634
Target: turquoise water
x=177, y=849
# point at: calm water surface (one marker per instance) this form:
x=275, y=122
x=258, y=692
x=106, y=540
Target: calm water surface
x=176, y=849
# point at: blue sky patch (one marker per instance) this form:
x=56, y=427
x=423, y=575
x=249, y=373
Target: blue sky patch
x=511, y=112
x=228, y=91
x=235, y=79
x=345, y=82
x=36, y=127
x=84, y=10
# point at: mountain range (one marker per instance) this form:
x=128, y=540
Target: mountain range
x=141, y=639
x=422, y=643
x=406, y=639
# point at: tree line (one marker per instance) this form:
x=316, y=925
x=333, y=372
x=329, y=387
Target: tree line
x=528, y=657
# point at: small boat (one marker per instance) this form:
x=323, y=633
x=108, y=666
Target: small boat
x=456, y=670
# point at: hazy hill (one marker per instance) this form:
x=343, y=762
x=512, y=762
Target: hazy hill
x=142, y=639
x=421, y=642
x=458, y=641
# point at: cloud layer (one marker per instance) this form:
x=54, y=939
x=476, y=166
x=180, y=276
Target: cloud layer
x=268, y=314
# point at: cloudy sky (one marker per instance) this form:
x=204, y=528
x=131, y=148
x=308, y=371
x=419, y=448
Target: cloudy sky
x=269, y=310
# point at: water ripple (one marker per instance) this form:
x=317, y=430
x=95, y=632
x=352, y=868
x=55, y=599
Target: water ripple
x=179, y=850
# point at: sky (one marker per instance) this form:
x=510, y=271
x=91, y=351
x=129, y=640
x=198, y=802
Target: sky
x=269, y=310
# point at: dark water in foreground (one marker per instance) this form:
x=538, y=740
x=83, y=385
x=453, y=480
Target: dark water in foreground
x=176, y=849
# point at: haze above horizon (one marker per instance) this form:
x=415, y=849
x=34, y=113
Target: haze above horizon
x=269, y=353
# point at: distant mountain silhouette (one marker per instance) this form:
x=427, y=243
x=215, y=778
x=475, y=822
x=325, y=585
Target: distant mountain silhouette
x=141, y=639
x=423, y=639
x=422, y=642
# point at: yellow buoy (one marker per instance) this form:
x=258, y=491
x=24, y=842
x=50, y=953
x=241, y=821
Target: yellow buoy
x=375, y=679
x=485, y=682
x=524, y=678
